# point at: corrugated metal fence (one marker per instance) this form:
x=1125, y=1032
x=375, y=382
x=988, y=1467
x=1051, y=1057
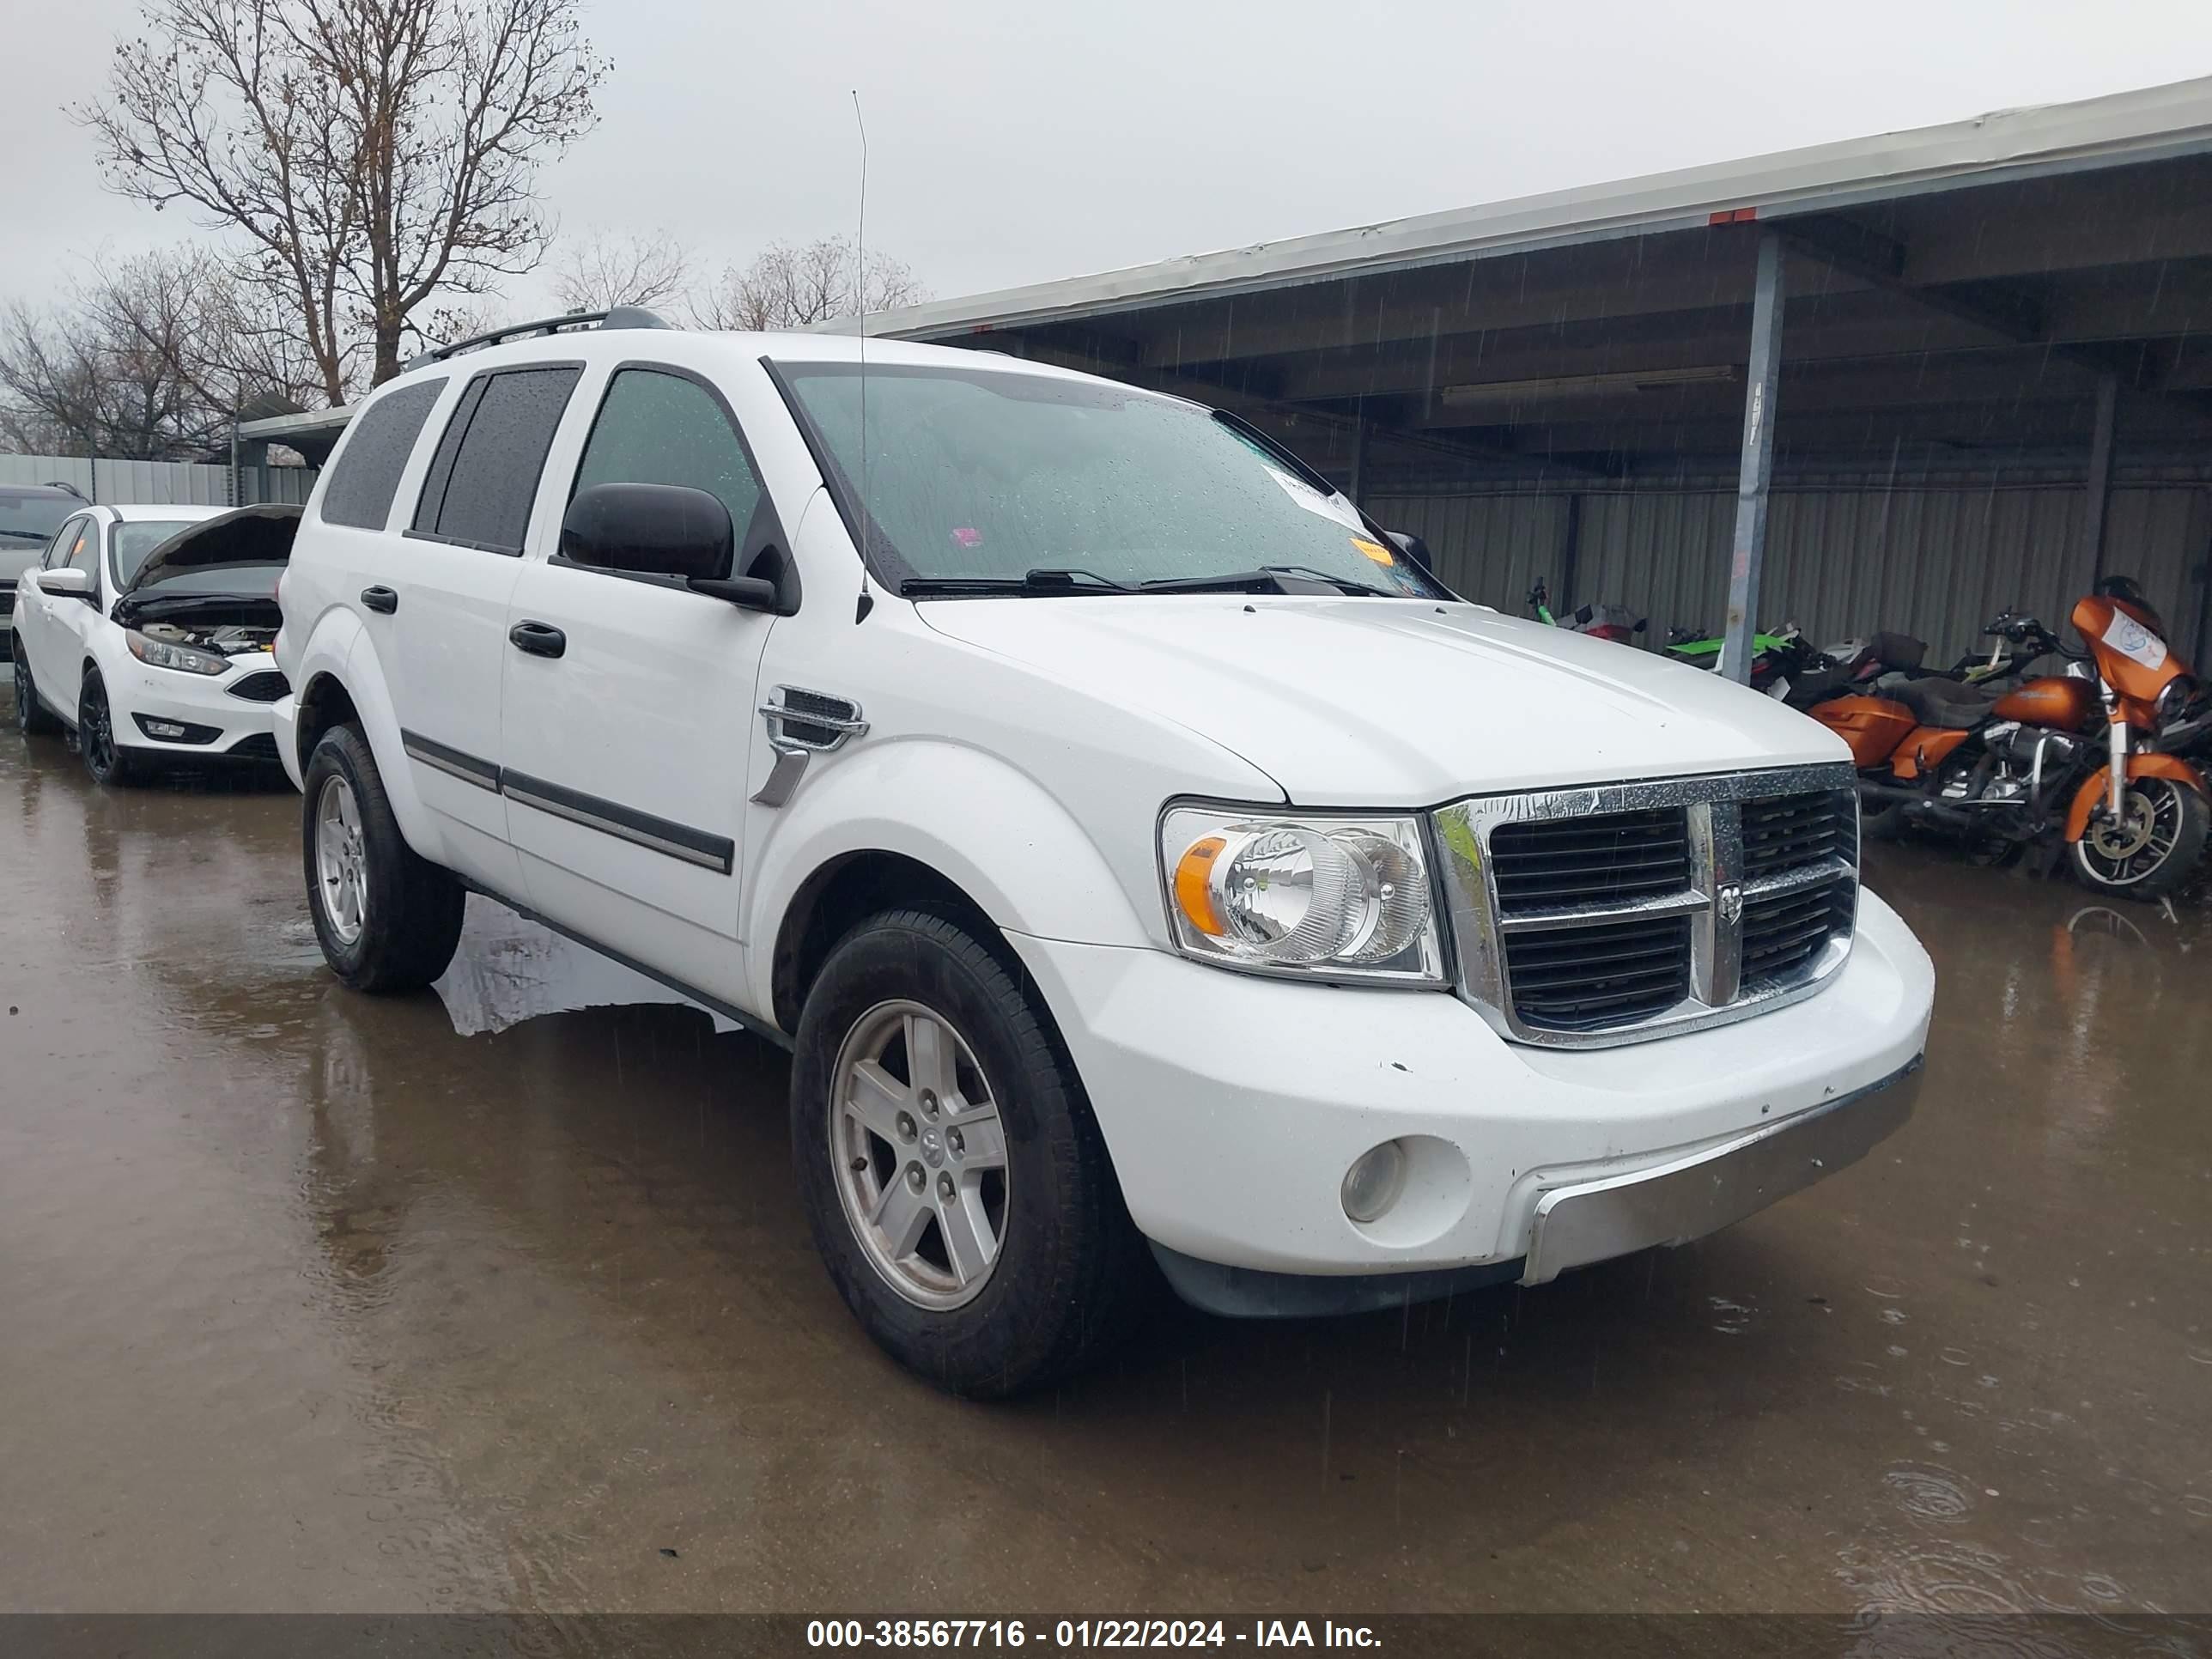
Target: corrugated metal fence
x=159, y=482
x=1933, y=556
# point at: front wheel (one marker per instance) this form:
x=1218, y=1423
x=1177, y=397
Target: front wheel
x=2151, y=850
x=954, y=1179
x=105, y=757
x=388, y=919
x=33, y=718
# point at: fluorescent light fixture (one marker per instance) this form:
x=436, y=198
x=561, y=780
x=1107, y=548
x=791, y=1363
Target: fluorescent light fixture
x=1588, y=385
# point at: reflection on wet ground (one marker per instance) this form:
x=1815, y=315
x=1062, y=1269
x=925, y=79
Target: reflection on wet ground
x=500, y=1299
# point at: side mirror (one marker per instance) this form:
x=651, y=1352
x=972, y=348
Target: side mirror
x=1413, y=548
x=76, y=584
x=660, y=530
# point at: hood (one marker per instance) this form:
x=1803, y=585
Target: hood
x=249, y=538
x=247, y=535
x=1381, y=703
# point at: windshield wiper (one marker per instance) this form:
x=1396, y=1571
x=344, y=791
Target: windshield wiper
x=1040, y=581
x=1281, y=578
x=27, y=535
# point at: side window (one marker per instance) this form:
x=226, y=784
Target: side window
x=367, y=472
x=485, y=473
x=84, y=554
x=65, y=543
x=656, y=427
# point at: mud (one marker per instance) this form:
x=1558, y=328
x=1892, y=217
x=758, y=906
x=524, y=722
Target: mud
x=499, y=1298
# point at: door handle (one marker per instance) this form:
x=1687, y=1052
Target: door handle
x=380, y=599
x=538, y=639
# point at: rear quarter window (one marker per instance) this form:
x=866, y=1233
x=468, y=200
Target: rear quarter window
x=366, y=474
x=485, y=474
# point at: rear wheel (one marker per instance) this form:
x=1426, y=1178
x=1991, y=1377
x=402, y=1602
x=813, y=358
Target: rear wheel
x=2151, y=849
x=33, y=718
x=388, y=919
x=109, y=762
x=955, y=1181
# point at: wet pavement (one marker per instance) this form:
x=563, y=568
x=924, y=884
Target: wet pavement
x=499, y=1298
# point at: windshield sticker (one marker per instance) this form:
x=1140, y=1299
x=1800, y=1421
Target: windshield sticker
x=1374, y=550
x=2132, y=639
x=1333, y=507
x=967, y=536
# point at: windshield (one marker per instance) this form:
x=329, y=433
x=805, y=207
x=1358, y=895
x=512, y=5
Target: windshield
x=990, y=474
x=27, y=516
x=129, y=542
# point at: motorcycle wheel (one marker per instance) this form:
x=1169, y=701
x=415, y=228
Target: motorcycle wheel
x=2153, y=848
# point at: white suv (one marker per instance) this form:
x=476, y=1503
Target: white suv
x=1134, y=846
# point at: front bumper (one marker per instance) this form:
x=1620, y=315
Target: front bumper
x=1233, y=1106
x=241, y=728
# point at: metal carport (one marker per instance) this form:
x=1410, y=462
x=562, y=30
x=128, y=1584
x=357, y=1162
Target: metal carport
x=1989, y=386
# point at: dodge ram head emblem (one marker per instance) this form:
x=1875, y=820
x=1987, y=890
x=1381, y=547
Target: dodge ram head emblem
x=1729, y=902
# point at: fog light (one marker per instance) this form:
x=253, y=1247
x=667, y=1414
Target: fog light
x=168, y=729
x=1372, y=1183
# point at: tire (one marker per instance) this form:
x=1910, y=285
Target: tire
x=402, y=932
x=2180, y=820
x=1069, y=1274
x=110, y=764
x=33, y=718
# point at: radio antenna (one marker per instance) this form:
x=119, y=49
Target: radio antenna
x=867, y=600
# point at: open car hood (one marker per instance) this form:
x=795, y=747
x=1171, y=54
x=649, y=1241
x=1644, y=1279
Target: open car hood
x=249, y=538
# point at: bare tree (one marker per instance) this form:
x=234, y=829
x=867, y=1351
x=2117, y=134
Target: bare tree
x=603, y=271
x=789, y=286
x=373, y=153
x=146, y=358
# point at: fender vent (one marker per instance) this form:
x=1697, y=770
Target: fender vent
x=810, y=720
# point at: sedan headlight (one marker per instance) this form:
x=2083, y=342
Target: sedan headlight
x=1324, y=897
x=161, y=653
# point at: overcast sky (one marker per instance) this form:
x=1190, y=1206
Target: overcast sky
x=1014, y=143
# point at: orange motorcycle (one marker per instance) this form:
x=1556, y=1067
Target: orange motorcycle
x=2096, y=758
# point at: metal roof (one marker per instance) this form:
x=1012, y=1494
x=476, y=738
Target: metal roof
x=2015, y=144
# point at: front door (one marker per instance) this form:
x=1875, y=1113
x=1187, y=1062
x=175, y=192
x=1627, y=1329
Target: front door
x=628, y=705
x=58, y=625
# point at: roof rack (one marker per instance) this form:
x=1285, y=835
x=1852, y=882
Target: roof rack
x=613, y=317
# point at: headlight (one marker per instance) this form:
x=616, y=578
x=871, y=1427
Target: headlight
x=2173, y=701
x=1333, y=898
x=159, y=653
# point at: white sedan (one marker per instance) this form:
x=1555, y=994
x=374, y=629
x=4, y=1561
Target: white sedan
x=147, y=631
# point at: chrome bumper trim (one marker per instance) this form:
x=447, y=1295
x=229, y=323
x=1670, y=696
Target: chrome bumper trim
x=1707, y=1190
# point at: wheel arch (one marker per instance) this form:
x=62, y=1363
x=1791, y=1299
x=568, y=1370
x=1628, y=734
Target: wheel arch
x=844, y=892
x=903, y=821
x=340, y=679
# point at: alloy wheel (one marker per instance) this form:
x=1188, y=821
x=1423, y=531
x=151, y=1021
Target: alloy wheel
x=95, y=732
x=2119, y=853
x=920, y=1153
x=25, y=692
x=341, y=861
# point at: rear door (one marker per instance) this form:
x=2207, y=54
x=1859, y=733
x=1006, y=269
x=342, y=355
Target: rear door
x=447, y=578
x=625, y=753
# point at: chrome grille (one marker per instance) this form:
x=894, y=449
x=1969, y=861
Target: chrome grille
x=1590, y=860
x=1587, y=979
x=1588, y=917
x=1787, y=832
